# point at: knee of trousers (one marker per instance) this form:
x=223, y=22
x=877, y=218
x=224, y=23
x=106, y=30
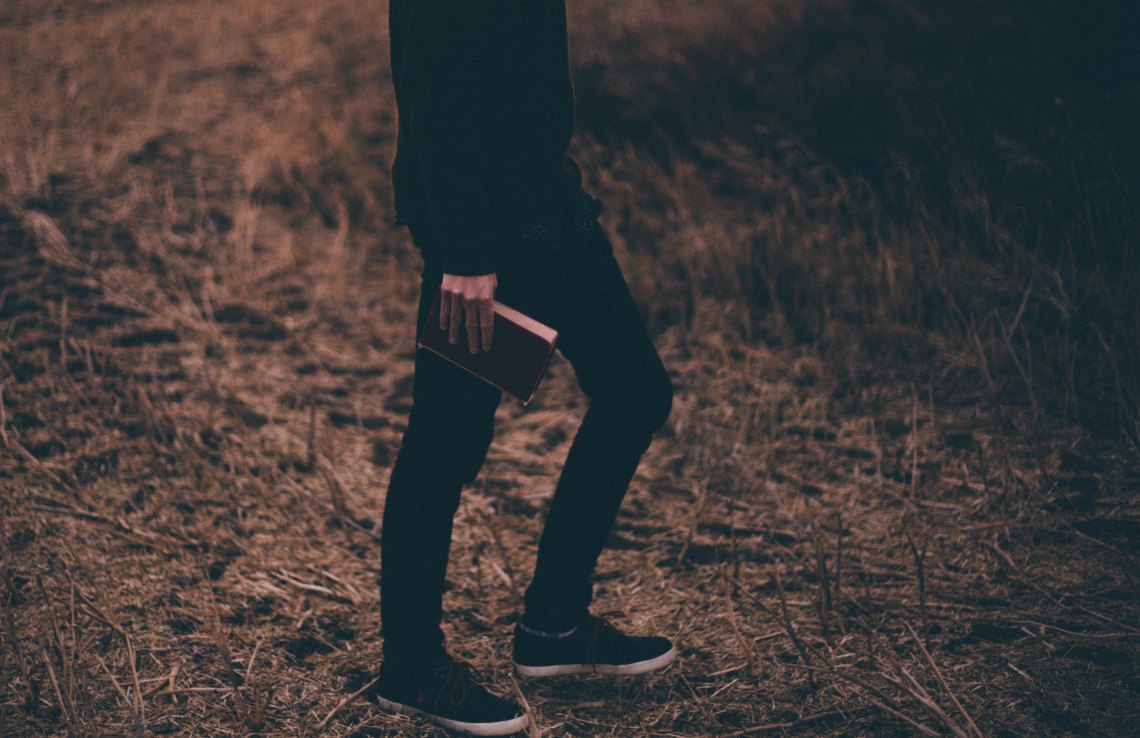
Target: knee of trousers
x=657, y=402
x=447, y=449
x=640, y=411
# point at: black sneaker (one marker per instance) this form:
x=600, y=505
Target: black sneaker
x=448, y=692
x=594, y=646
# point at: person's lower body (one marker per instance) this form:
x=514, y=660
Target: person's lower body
x=581, y=292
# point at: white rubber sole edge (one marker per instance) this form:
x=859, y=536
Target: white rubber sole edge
x=503, y=727
x=640, y=667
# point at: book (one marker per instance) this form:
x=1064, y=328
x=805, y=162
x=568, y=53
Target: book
x=520, y=350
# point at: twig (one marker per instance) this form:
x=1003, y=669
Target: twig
x=1023, y=675
x=288, y=578
x=914, y=443
x=189, y=690
x=839, y=621
x=918, y=693
x=253, y=659
x=165, y=684
x=744, y=645
x=137, y=701
x=353, y=591
x=920, y=576
x=147, y=537
x=12, y=443
x=880, y=699
x=73, y=675
x=311, y=451
x=1065, y=631
x=336, y=487
x=63, y=322
x=4, y=415
x=824, y=603
x=732, y=541
x=942, y=680
x=908, y=720
x=64, y=706
x=62, y=653
x=118, y=687
x=506, y=571
x=780, y=727
x=698, y=507
x=532, y=728
x=340, y=705
x=10, y=628
x=1024, y=578
x=791, y=631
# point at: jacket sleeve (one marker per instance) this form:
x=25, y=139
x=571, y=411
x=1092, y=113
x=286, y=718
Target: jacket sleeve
x=448, y=105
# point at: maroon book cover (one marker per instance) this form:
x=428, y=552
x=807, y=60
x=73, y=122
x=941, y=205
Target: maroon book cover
x=520, y=350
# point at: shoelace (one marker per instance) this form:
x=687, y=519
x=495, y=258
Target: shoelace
x=600, y=622
x=461, y=676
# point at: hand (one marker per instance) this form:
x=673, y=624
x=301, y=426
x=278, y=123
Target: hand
x=468, y=301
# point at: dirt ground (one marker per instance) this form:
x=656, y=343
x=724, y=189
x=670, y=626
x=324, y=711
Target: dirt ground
x=850, y=526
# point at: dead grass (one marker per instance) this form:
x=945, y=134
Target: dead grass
x=896, y=495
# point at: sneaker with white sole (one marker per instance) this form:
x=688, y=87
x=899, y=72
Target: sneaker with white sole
x=448, y=692
x=595, y=646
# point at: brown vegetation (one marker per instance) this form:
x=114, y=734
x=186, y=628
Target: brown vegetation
x=887, y=252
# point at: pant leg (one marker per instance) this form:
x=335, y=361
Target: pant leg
x=449, y=431
x=583, y=294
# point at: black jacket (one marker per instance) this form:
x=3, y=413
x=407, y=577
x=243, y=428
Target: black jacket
x=486, y=112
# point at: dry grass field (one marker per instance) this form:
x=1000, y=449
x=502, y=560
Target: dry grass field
x=886, y=249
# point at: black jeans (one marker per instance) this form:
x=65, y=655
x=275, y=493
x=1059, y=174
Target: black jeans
x=578, y=289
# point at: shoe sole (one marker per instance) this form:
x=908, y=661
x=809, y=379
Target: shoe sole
x=502, y=727
x=639, y=667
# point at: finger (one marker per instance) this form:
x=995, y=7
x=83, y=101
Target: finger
x=456, y=319
x=472, y=325
x=444, y=310
x=487, y=323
